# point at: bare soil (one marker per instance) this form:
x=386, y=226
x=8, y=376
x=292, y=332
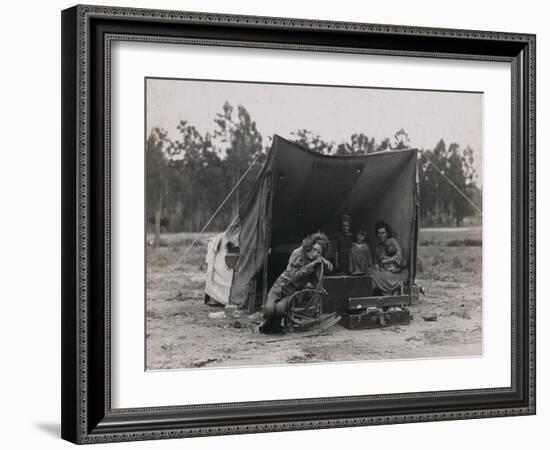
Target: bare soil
x=180, y=333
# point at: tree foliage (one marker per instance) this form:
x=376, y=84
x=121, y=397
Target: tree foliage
x=156, y=162
x=241, y=142
x=444, y=173
x=190, y=177
x=401, y=140
x=312, y=141
x=195, y=172
x=359, y=144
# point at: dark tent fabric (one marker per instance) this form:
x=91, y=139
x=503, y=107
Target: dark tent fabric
x=299, y=192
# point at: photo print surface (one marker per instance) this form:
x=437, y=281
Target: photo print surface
x=292, y=223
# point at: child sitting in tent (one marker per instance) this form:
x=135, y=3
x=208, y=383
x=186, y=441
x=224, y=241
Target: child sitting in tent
x=360, y=259
x=300, y=272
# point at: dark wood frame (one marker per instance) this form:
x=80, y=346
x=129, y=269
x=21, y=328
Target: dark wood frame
x=87, y=32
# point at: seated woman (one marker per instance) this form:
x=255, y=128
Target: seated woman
x=389, y=271
x=360, y=259
x=300, y=272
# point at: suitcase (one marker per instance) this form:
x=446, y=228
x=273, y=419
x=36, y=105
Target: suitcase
x=362, y=319
x=341, y=288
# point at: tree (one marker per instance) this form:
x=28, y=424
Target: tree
x=156, y=186
x=312, y=141
x=384, y=145
x=446, y=173
x=359, y=144
x=401, y=140
x=467, y=180
x=189, y=178
x=241, y=142
x=431, y=183
x=192, y=166
x=468, y=165
x=454, y=171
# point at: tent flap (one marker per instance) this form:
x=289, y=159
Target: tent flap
x=253, y=236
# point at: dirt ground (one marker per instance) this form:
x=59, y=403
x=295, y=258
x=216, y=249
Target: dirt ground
x=181, y=335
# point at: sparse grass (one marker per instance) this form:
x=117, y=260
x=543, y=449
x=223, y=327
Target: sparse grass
x=442, y=263
x=465, y=243
x=180, y=332
x=450, y=255
x=434, y=236
x=457, y=263
x=177, y=240
x=174, y=250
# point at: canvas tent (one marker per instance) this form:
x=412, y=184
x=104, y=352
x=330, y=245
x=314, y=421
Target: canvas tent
x=299, y=192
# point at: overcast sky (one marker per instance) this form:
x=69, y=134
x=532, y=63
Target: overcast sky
x=335, y=113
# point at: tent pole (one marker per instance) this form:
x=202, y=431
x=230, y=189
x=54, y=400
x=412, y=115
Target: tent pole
x=264, y=283
x=268, y=243
x=415, y=231
x=269, y=223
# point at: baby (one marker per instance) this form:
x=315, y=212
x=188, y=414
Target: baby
x=391, y=250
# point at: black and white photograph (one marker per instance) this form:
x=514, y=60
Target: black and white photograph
x=297, y=223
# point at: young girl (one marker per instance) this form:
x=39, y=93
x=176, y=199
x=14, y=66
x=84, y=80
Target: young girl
x=360, y=258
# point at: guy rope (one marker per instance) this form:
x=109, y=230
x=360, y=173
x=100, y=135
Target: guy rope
x=454, y=186
x=215, y=213
x=186, y=252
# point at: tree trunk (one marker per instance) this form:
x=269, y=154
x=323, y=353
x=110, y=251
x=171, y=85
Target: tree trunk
x=437, y=212
x=452, y=212
x=158, y=214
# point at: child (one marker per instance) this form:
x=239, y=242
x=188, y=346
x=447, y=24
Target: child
x=360, y=259
x=341, y=246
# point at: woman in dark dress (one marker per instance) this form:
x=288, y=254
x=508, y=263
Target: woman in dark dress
x=389, y=272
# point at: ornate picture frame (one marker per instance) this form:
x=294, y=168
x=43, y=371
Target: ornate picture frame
x=88, y=33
